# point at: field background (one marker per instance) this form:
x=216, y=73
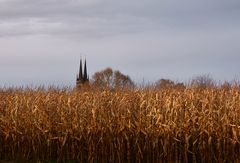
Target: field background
x=141, y=125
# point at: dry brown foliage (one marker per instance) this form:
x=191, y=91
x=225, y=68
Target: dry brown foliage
x=170, y=125
x=109, y=79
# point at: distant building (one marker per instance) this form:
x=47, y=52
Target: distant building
x=82, y=77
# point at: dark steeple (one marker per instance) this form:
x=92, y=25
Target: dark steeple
x=80, y=70
x=82, y=77
x=85, y=76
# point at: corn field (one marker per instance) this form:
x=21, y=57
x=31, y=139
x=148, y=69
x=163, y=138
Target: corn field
x=148, y=125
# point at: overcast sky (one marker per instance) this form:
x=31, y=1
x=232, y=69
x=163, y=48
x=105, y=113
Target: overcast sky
x=41, y=41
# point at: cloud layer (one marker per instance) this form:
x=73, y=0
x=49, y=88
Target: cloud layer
x=148, y=39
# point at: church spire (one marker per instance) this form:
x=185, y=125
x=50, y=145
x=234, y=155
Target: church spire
x=85, y=75
x=80, y=70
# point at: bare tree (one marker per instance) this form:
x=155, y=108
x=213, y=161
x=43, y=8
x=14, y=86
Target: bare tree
x=121, y=80
x=167, y=83
x=164, y=83
x=103, y=78
x=203, y=81
x=111, y=79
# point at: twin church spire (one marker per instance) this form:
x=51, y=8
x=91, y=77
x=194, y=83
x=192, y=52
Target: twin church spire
x=82, y=77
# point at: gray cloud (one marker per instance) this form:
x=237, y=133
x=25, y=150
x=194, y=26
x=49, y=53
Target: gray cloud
x=175, y=39
x=101, y=18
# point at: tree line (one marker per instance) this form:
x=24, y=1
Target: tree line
x=114, y=79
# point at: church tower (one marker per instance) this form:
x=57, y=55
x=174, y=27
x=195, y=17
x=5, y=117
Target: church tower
x=82, y=76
